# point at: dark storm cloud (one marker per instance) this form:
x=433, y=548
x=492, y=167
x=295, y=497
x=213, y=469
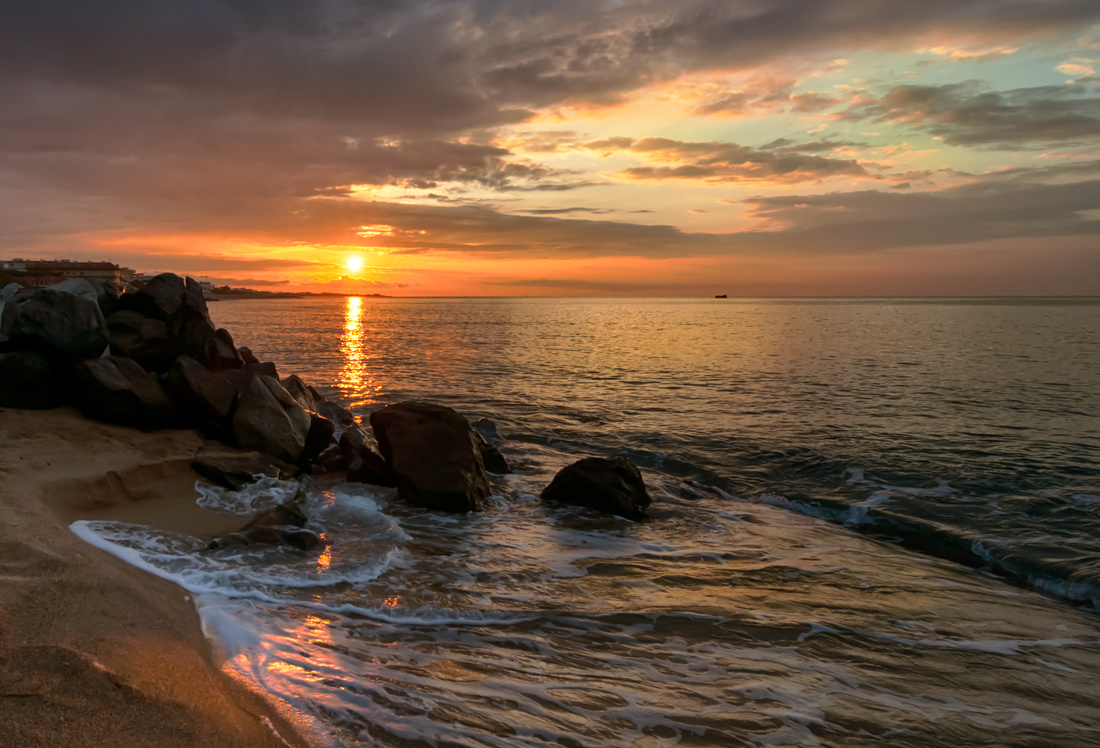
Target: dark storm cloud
x=968, y=114
x=205, y=115
x=784, y=162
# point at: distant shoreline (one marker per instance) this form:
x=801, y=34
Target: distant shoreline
x=246, y=294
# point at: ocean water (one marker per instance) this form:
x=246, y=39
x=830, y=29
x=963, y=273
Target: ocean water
x=875, y=522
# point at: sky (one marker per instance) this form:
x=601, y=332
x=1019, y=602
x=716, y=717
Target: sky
x=565, y=148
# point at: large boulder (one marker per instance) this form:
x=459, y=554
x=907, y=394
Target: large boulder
x=233, y=468
x=146, y=340
x=27, y=381
x=179, y=304
x=300, y=391
x=106, y=295
x=118, y=390
x=224, y=354
x=268, y=419
x=362, y=462
x=59, y=324
x=335, y=413
x=611, y=485
x=433, y=455
x=208, y=397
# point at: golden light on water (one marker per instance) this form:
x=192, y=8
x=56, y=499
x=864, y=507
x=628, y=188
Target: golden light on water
x=355, y=378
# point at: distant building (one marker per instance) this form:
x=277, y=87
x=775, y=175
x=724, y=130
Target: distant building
x=42, y=273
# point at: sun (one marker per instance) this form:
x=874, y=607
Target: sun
x=355, y=263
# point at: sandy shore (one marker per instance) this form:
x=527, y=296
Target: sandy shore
x=94, y=652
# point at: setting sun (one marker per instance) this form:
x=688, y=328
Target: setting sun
x=355, y=263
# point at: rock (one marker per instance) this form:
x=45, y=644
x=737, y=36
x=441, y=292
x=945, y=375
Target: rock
x=208, y=397
x=487, y=429
x=613, y=486
x=59, y=324
x=179, y=304
x=492, y=458
x=432, y=452
x=106, y=295
x=334, y=412
x=268, y=419
x=364, y=465
x=246, y=355
x=300, y=391
x=224, y=354
x=118, y=390
x=280, y=525
x=332, y=460
x=79, y=287
x=144, y=339
x=318, y=438
x=267, y=369
x=233, y=468
x=27, y=381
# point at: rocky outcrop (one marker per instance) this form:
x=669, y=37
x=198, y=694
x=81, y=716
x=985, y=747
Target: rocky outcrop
x=318, y=438
x=144, y=339
x=27, y=381
x=61, y=325
x=611, y=485
x=362, y=462
x=118, y=390
x=210, y=397
x=233, y=468
x=224, y=355
x=433, y=455
x=300, y=391
x=269, y=420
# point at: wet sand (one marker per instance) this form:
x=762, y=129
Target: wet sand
x=94, y=652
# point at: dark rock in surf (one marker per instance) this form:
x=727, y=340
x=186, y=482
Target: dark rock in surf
x=247, y=356
x=491, y=456
x=281, y=525
x=611, y=485
x=318, y=438
x=27, y=381
x=487, y=428
x=61, y=325
x=269, y=420
x=362, y=462
x=433, y=454
x=233, y=468
x=332, y=460
x=118, y=390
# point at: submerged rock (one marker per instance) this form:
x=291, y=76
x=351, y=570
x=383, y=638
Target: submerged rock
x=612, y=485
x=27, y=381
x=284, y=524
x=59, y=324
x=433, y=454
x=268, y=419
x=118, y=390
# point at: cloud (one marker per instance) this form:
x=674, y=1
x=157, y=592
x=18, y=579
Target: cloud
x=968, y=114
x=715, y=161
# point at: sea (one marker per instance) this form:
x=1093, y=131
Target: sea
x=875, y=522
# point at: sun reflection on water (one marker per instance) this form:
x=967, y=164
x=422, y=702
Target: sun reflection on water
x=354, y=377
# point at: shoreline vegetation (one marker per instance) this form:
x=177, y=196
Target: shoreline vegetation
x=111, y=408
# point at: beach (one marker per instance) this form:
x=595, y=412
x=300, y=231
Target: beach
x=94, y=651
